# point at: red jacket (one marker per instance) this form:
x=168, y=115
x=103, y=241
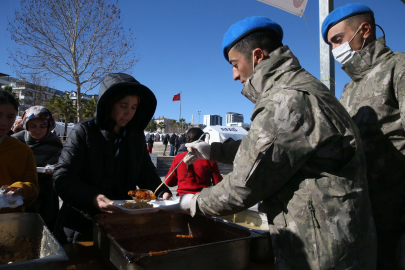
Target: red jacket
x=204, y=173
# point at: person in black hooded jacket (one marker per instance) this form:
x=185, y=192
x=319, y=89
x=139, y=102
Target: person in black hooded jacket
x=105, y=157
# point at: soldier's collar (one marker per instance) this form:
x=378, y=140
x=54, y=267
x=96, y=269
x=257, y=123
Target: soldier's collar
x=366, y=59
x=268, y=71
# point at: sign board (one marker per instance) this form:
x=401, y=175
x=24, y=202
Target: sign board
x=296, y=7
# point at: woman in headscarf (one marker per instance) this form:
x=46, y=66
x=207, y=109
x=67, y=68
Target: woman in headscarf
x=105, y=157
x=17, y=163
x=37, y=122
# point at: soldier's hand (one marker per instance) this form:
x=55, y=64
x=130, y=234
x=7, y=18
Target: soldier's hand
x=196, y=151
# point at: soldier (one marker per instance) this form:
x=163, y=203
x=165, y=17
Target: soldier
x=302, y=157
x=375, y=100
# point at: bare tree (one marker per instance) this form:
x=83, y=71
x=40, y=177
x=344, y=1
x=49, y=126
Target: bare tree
x=78, y=40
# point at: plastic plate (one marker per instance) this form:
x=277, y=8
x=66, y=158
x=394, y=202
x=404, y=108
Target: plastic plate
x=157, y=204
x=40, y=169
x=5, y=204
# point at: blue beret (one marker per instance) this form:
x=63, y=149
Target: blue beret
x=243, y=28
x=341, y=14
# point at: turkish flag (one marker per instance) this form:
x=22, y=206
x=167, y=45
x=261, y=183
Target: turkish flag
x=176, y=97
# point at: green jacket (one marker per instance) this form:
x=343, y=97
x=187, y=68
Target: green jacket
x=375, y=99
x=303, y=158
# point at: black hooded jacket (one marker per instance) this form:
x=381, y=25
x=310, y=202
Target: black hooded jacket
x=86, y=165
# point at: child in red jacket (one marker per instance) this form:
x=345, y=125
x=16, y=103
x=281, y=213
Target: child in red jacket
x=193, y=178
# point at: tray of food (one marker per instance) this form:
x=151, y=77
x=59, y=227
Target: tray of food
x=26, y=243
x=172, y=241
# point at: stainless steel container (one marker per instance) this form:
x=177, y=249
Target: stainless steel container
x=46, y=248
x=125, y=241
x=261, y=248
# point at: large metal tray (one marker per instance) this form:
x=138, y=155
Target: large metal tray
x=46, y=248
x=261, y=248
x=216, y=244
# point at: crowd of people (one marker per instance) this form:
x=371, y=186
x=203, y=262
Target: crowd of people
x=329, y=174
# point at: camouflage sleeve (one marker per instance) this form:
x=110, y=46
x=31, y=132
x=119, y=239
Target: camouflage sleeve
x=280, y=140
x=400, y=94
x=224, y=152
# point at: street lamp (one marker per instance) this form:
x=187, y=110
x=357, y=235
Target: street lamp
x=199, y=113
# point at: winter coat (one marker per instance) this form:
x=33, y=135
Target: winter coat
x=86, y=165
x=203, y=173
x=375, y=99
x=182, y=139
x=303, y=157
x=150, y=142
x=46, y=150
x=172, y=140
x=166, y=140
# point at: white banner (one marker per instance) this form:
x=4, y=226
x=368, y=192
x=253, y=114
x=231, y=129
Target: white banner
x=296, y=7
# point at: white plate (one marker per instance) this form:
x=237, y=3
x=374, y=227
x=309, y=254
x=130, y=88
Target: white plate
x=40, y=169
x=157, y=204
x=5, y=204
x=117, y=203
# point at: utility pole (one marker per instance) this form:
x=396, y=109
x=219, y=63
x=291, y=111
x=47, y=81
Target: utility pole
x=326, y=57
x=199, y=112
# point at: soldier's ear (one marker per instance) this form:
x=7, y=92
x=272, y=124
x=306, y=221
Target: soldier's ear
x=366, y=30
x=258, y=55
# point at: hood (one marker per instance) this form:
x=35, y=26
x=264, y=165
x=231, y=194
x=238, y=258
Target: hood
x=366, y=59
x=115, y=84
x=268, y=71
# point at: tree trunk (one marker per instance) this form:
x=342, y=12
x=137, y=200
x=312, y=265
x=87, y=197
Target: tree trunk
x=79, y=103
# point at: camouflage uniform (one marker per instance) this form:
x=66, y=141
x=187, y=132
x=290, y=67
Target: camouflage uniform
x=375, y=99
x=302, y=157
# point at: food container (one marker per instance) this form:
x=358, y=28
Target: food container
x=261, y=248
x=46, y=249
x=126, y=240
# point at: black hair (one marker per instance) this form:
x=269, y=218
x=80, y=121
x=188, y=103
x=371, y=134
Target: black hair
x=267, y=40
x=7, y=98
x=355, y=21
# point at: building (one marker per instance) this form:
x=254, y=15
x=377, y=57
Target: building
x=166, y=121
x=85, y=97
x=212, y=120
x=29, y=94
x=5, y=79
x=232, y=117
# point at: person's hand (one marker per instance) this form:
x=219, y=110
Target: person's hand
x=183, y=207
x=166, y=196
x=105, y=205
x=13, y=191
x=50, y=171
x=196, y=151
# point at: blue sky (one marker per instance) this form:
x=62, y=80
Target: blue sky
x=179, y=46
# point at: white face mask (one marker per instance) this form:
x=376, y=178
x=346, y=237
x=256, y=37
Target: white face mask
x=344, y=52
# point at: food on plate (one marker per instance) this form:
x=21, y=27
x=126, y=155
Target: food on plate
x=136, y=205
x=142, y=195
x=153, y=253
x=184, y=236
x=20, y=250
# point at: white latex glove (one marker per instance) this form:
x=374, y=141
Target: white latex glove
x=196, y=151
x=183, y=207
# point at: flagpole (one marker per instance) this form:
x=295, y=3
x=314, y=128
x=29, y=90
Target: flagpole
x=180, y=108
